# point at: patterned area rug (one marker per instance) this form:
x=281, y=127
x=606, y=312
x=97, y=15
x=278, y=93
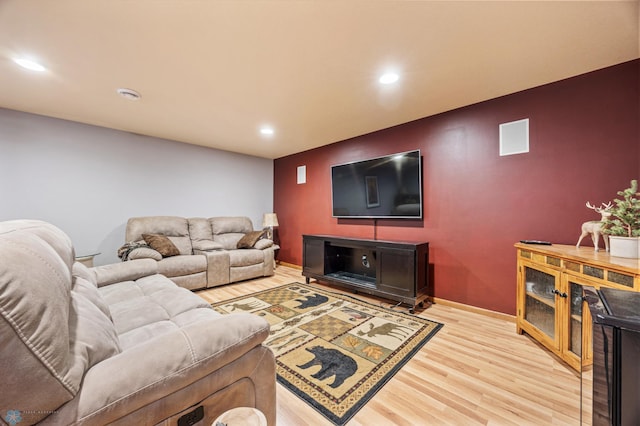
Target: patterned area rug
x=332, y=350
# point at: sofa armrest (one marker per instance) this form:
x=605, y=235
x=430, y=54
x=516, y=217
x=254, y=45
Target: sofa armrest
x=123, y=384
x=144, y=253
x=218, y=267
x=126, y=271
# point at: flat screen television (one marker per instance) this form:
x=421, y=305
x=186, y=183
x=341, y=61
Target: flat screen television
x=382, y=187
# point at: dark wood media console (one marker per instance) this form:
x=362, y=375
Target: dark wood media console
x=394, y=270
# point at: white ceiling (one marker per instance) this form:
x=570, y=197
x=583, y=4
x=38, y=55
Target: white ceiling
x=212, y=72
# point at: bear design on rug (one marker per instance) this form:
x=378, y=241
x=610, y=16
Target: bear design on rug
x=311, y=301
x=332, y=362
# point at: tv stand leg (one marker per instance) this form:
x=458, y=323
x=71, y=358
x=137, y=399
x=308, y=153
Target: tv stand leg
x=412, y=309
x=307, y=280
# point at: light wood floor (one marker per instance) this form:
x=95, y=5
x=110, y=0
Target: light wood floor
x=475, y=371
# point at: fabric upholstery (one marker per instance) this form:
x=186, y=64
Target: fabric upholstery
x=182, y=265
x=200, y=229
x=117, y=344
x=191, y=281
x=92, y=337
x=161, y=244
x=144, y=253
x=218, y=268
x=85, y=283
x=207, y=258
x=35, y=296
x=175, y=228
x=116, y=272
x=233, y=224
x=249, y=239
x=201, y=235
x=262, y=244
x=246, y=257
x=245, y=272
x=229, y=241
x=206, y=245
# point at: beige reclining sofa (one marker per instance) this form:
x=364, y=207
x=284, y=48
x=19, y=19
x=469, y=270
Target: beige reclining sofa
x=117, y=343
x=208, y=251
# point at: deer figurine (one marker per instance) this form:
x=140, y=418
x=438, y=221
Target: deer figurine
x=594, y=227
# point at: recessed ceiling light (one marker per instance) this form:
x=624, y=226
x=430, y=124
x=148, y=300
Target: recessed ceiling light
x=29, y=64
x=130, y=94
x=389, y=78
x=267, y=131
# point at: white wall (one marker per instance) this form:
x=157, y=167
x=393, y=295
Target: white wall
x=89, y=180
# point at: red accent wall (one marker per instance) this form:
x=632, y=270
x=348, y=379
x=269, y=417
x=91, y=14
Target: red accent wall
x=584, y=146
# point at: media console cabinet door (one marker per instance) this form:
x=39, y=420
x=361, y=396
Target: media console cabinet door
x=549, y=292
x=396, y=271
x=313, y=256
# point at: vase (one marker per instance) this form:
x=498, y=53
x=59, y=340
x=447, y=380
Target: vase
x=628, y=247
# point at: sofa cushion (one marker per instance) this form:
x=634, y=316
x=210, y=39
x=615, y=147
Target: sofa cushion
x=173, y=227
x=229, y=241
x=92, y=336
x=249, y=239
x=192, y=281
x=245, y=257
x=200, y=229
x=243, y=273
x=228, y=230
x=182, y=265
x=151, y=306
x=161, y=244
x=183, y=244
x=86, y=286
x=127, y=290
x=234, y=224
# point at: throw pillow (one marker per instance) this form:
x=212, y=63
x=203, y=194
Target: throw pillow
x=263, y=244
x=249, y=239
x=161, y=244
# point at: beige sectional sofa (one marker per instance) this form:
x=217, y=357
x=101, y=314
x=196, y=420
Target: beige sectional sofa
x=208, y=253
x=117, y=343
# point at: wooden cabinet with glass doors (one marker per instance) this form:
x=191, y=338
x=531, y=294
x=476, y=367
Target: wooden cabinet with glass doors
x=549, y=304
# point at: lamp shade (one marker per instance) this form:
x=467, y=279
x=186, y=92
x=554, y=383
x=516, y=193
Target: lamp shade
x=270, y=219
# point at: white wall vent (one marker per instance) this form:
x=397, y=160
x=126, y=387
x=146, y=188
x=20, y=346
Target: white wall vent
x=514, y=137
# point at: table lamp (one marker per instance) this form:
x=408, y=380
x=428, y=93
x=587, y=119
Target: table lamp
x=269, y=221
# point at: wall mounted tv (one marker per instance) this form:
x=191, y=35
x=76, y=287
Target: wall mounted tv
x=383, y=187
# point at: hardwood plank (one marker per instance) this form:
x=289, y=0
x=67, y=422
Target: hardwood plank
x=475, y=371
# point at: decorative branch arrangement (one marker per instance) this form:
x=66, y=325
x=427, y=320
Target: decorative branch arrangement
x=624, y=220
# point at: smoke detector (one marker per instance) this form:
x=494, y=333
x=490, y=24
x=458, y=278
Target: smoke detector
x=130, y=94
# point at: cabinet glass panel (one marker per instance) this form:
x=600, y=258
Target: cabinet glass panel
x=575, y=319
x=540, y=300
